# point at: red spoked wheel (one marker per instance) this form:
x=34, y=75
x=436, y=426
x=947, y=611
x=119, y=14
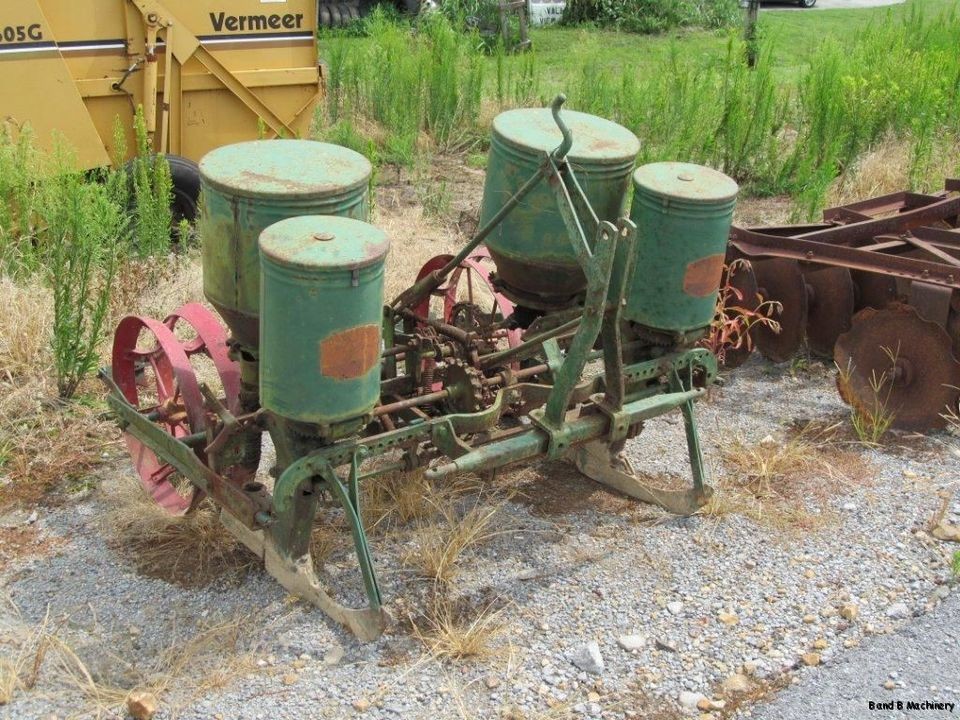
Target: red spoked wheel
x=211, y=340
x=474, y=304
x=153, y=370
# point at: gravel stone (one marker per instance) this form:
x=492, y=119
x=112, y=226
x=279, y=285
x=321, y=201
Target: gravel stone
x=588, y=658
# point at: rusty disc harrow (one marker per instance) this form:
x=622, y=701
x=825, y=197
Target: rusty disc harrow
x=153, y=369
x=873, y=289
x=780, y=280
x=830, y=300
x=895, y=364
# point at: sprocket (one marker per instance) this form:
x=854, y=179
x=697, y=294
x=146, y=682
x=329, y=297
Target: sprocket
x=465, y=385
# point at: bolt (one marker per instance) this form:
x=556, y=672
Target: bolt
x=323, y=236
x=685, y=177
x=152, y=18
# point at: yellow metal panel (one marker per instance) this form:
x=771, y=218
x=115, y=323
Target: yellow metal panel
x=234, y=60
x=37, y=87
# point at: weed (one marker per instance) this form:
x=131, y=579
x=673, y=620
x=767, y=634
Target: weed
x=395, y=499
x=441, y=543
x=955, y=564
x=736, y=315
x=653, y=16
x=152, y=193
x=453, y=633
x=84, y=239
x=872, y=420
x=778, y=481
x=435, y=198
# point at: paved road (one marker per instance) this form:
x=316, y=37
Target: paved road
x=924, y=654
x=830, y=5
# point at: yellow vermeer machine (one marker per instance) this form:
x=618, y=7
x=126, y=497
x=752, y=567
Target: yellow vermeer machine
x=207, y=73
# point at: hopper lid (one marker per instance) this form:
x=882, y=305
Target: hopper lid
x=324, y=242
x=687, y=181
x=284, y=168
x=595, y=139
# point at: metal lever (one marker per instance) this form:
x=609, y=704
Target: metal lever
x=561, y=152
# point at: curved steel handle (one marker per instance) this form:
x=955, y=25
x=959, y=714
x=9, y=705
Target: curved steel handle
x=561, y=152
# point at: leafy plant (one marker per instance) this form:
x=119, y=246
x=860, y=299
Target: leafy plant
x=18, y=199
x=152, y=194
x=652, y=16
x=737, y=314
x=86, y=230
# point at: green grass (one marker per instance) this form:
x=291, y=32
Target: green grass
x=827, y=88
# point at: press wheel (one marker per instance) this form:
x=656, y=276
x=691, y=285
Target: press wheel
x=892, y=358
x=153, y=371
x=830, y=298
x=470, y=300
x=780, y=280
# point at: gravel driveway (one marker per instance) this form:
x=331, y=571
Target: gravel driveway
x=611, y=609
x=920, y=663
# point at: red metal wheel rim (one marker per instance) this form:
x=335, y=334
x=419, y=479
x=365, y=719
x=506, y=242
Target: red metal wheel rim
x=174, y=380
x=448, y=291
x=211, y=340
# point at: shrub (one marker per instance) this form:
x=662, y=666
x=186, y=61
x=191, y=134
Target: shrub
x=652, y=16
x=85, y=234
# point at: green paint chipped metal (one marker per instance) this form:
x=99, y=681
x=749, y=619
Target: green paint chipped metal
x=320, y=330
x=531, y=246
x=683, y=214
x=249, y=186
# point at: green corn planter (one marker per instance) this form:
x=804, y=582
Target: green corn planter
x=250, y=186
x=531, y=247
x=683, y=214
x=320, y=324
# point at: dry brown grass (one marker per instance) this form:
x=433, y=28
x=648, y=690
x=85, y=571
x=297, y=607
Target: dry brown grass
x=441, y=543
x=44, y=444
x=779, y=481
x=451, y=633
x=158, y=286
x=26, y=326
x=396, y=499
x=190, y=550
x=886, y=169
x=20, y=670
x=414, y=239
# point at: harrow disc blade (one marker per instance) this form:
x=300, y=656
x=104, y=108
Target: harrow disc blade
x=781, y=281
x=873, y=289
x=894, y=363
x=744, y=282
x=830, y=307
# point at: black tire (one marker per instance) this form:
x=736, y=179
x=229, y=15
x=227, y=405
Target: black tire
x=185, y=179
x=806, y=3
x=186, y=188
